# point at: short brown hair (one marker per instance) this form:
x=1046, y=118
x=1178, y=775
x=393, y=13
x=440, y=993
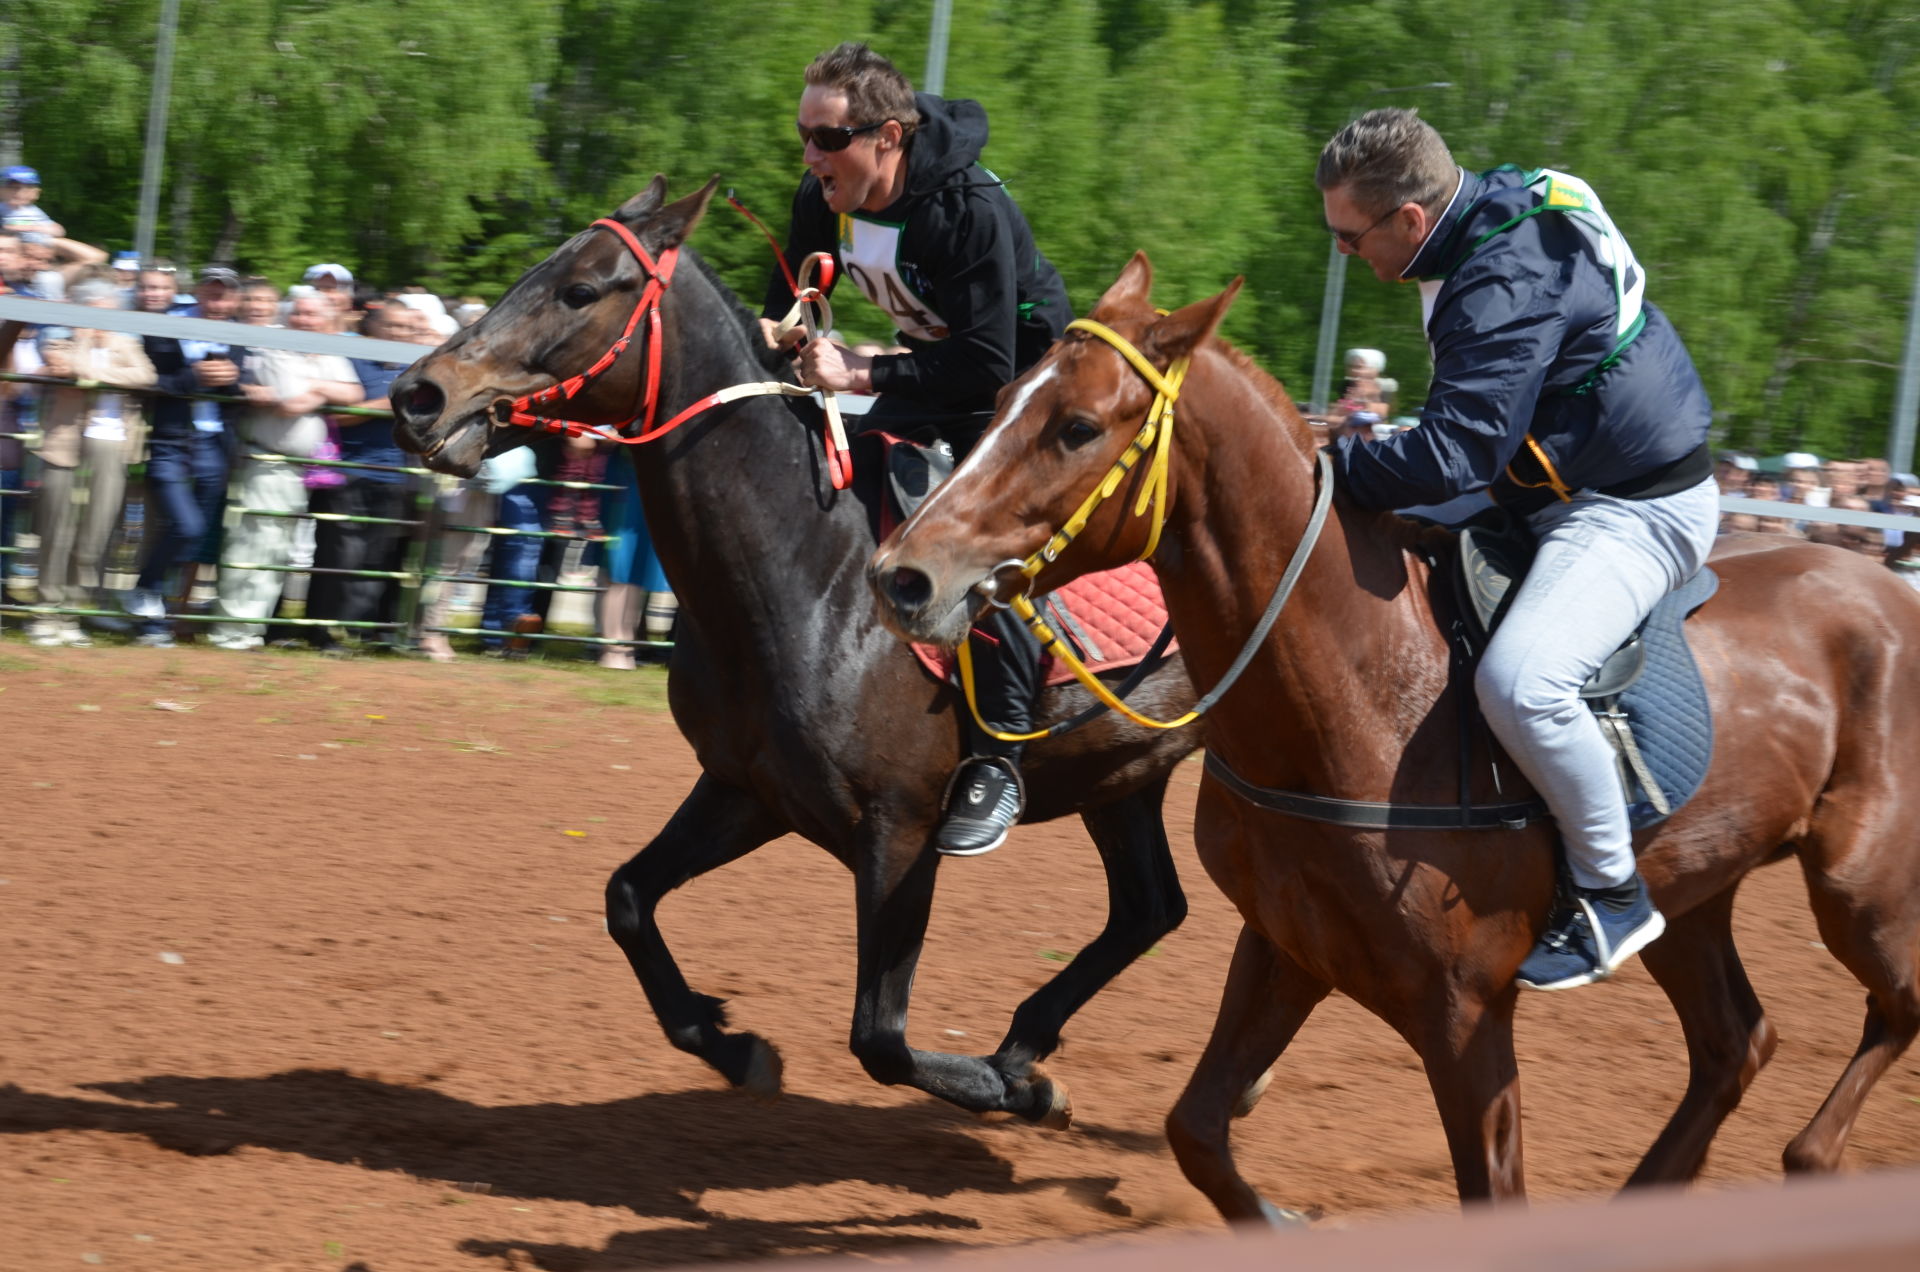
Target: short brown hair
x=876, y=90
x=1387, y=158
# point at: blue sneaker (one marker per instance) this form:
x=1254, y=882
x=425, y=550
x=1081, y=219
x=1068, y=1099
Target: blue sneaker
x=1588, y=940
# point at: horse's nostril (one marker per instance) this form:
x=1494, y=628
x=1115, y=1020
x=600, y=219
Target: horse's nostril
x=909, y=589
x=421, y=403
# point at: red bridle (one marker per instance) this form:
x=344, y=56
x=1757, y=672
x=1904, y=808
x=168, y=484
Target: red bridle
x=659, y=274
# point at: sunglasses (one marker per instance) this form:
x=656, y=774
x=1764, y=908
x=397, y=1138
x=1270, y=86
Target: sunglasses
x=836, y=137
x=1353, y=240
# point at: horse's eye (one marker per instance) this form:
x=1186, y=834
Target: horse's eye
x=1077, y=432
x=579, y=295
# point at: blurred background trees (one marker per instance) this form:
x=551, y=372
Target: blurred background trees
x=1758, y=154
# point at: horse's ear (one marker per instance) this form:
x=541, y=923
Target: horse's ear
x=674, y=224
x=1184, y=330
x=645, y=203
x=1130, y=291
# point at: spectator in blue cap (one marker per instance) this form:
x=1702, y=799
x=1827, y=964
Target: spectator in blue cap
x=21, y=210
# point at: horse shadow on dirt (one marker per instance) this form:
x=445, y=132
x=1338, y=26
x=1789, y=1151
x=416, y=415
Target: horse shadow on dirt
x=655, y=1154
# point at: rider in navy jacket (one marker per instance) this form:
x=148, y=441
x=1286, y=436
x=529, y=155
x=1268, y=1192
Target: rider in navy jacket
x=1560, y=390
x=1519, y=322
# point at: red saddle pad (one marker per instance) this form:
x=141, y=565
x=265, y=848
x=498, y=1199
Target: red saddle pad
x=1112, y=619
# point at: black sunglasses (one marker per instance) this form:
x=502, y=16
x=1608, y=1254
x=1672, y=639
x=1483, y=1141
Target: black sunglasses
x=834, y=137
x=1353, y=240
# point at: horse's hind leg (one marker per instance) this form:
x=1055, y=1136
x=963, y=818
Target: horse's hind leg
x=1267, y=998
x=714, y=825
x=1728, y=1037
x=1144, y=903
x=1870, y=921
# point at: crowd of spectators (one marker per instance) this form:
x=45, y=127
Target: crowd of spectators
x=202, y=493
x=1802, y=479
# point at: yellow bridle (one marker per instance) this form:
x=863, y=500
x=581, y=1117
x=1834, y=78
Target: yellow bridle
x=1156, y=435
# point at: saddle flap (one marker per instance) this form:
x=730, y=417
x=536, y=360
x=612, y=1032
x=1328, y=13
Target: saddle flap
x=914, y=469
x=1622, y=668
x=1494, y=554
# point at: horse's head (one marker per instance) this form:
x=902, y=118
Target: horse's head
x=1057, y=433
x=566, y=313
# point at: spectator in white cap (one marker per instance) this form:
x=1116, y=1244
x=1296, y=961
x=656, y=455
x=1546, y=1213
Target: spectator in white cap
x=1803, y=480
x=335, y=283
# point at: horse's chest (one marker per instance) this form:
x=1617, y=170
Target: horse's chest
x=870, y=252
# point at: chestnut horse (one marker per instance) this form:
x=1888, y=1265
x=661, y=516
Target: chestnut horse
x=806, y=716
x=1809, y=653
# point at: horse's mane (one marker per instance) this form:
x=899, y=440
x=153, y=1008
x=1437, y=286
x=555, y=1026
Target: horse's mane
x=771, y=360
x=1392, y=528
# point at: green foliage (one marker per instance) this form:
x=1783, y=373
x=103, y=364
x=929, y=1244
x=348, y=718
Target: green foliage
x=1756, y=152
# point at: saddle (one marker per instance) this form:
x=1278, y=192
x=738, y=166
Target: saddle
x=1110, y=619
x=1648, y=695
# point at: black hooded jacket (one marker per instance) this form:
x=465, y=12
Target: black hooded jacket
x=974, y=299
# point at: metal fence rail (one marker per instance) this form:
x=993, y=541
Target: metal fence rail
x=423, y=561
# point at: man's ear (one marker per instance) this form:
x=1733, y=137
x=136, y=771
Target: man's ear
x=1184, y=330
x=643, y=204
x=674, y=224
x=1129, y=293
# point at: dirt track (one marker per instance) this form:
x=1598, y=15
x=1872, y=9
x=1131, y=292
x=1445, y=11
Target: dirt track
x=391, y=1032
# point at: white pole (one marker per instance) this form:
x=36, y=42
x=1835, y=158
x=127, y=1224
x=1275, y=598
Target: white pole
x=935, y=80
x=1906, y=401
x=156, y=130
x=1319, y=399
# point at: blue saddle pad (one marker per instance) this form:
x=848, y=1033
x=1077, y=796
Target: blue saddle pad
x=1671, y=717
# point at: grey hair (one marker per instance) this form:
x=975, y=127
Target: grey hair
x=89, y=290
x=1387, y=158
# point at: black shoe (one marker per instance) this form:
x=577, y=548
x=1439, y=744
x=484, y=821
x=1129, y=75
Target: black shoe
x=984, y=803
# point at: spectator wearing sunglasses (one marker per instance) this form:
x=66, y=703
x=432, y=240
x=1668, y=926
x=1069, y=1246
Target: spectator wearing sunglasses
x=895, y=193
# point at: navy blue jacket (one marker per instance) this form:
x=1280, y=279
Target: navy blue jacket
x=1518, y=324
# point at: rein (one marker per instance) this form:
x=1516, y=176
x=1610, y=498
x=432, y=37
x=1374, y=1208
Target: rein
x=523, y=411
x=1156, y=435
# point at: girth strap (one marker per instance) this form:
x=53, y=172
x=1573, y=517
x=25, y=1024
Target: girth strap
x=1367, y=815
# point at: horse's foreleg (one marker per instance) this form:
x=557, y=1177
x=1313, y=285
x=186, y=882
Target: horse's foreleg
x=1467, y=1051
x=895, y=896
x=1144, y=903
x=1728, y=1037
x=714, y=825
x=1267, y=998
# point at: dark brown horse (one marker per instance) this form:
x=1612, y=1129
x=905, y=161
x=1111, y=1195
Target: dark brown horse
x=805, y=714
x=1810, y=655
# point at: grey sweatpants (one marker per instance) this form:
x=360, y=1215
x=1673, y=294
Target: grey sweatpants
x=1601, y=566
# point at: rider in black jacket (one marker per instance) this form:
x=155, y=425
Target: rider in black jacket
x=895, y=193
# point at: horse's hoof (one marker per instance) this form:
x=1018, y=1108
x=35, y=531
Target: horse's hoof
x=764, y=1068
x=1058, y=1113
x=1250, y=1098
x=1281, y=1217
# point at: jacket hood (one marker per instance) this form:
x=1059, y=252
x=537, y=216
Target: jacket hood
x=946, y=145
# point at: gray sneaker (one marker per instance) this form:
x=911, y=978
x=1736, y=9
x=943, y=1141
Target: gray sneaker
x=985, y=802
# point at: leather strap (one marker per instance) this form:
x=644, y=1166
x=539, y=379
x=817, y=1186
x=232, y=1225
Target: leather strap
x=1368, y=815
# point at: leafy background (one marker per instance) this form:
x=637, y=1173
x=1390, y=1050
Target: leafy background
x=1758, y=154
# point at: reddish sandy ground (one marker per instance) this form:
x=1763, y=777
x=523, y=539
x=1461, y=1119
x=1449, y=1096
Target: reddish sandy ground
x=313, y=976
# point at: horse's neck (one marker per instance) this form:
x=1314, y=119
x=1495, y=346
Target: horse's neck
x=1355, y=660
x=736, y=500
